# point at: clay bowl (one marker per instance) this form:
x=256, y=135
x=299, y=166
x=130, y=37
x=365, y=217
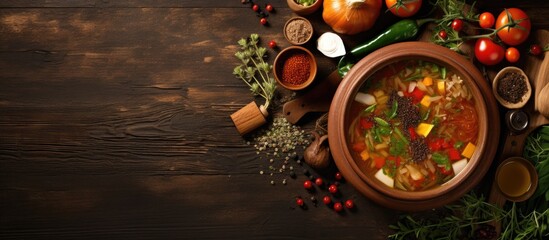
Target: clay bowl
x=301, y=33
x=348, y=163
x=304, y=10
x=496, y=84
x=280, y=61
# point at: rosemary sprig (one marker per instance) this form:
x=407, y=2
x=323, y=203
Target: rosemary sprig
x=253, y=70
x=470, y=219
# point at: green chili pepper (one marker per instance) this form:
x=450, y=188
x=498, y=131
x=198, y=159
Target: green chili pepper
x=392, y=114
x=381, y=122
x=443, y=72
x=400, y=31
x=399, y=133
x=371, y=108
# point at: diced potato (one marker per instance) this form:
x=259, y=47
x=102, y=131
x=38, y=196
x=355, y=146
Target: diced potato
x=427, y=81
x=468, y=150
x=379, y=93
x=365, y=155
x=425, y=101
x=424, y=129
x=411, y=87
x=389, y=181
x=441, y=87
x=365, y=98
x=459, y=165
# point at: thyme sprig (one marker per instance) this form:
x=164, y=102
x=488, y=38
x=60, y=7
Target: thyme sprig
x=254, y=70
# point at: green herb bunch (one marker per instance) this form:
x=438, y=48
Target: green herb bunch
x=536, y=149
x=254, y=70
x=470, y=220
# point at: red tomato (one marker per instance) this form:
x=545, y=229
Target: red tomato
x=444, y=171
x=263, y=21
x=512, y=55
x=403, y=8
x=380, y=162
x=453, y=154
x=488, y=52
x=338, y=207
x=457, y=25
x=486, y=20
x=349, y=204
x=269, y=8
x=365, y=124
x=359, y=146
x=513, y=35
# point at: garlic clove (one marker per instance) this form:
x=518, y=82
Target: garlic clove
x=331, y=45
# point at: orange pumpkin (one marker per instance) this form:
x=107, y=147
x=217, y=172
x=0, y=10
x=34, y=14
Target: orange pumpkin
x=351, y=16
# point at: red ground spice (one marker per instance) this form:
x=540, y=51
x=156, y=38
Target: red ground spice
x=296, y=69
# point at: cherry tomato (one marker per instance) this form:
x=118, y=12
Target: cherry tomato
x=327, y=200
x=338, y=207
x=338, y=176
x=486, y=20
x=308, y=184
x=319, y=182
x=443, y=34
x=269, y=8
x=255, y=7
x=513, y=35
x=457, y=25
x=299, y=201
x=272, y=44
x=488, y=52
x=512, y=55
x=403, y=8
x=332, y=189
x=349, y=204
x=263, y=21
x=535, y=49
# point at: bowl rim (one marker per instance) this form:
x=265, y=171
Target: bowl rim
x=293, y=19
x=283, y=54
x=379, y=59
x=524, y=98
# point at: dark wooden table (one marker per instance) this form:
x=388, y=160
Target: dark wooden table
x=114, y=123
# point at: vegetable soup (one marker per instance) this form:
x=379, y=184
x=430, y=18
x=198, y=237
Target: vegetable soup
x=414, y=125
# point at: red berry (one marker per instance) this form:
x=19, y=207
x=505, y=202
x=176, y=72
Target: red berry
x=349, y=204
x=332, y=189
x=338, y=207
x=319, y=182
x=299, y=201
x=535, y=49
x=269, y=8
x=263, y=21
x=272, y=44
x=327, y=200
x=255, y=7
x=457, y=25
x=338, y=176
x=308, y=184
x=442, y=34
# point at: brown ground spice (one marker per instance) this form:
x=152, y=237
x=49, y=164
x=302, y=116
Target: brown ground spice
x=298, y=31
x=511, y=87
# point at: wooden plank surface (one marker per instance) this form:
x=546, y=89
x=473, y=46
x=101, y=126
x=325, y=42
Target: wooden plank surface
x=114, y=123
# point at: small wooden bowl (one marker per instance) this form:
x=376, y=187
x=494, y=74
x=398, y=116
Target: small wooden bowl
x=504, y=102
x=302, y=10
x=306, y=35
x=281, y=58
